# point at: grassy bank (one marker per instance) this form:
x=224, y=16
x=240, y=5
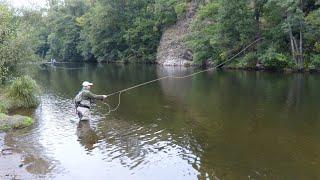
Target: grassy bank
x=20, y=93
x=7, y=122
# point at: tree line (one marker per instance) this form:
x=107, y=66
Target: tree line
x=289, y=30
x=130, y=31
x=104, y=30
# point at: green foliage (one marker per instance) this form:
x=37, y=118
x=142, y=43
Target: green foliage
x=3, y=106
x=28, y=121
x=202, y=39
x=114, y=30
x=3, y=102
x=64, y=23
x=15, y=43
x=7, y=41
x=119, y=30
x=4, y=69
x=313, y=38
x=273, y=60
x=180, y=8
x=2, y=115
x=315, y=61
x=317, y=47
x=222, y=28
x=4, y=127
x=23, y=92
x=249, y=60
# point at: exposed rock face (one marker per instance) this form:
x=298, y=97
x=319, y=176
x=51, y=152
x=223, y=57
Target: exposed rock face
x=172, y=51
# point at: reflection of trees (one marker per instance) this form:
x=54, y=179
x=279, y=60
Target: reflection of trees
x=294, y=91
x=223, y=123
x=245, y=110
x=175, y=88
x=107, y=78
x=128, y=145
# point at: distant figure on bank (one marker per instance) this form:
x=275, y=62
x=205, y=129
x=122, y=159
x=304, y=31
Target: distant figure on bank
x=84, y=99
x=53, y=61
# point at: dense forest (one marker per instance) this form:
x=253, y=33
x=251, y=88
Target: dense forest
x=130, y=31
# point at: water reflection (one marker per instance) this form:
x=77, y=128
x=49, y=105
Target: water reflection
x=227, y=125
x=87, y=136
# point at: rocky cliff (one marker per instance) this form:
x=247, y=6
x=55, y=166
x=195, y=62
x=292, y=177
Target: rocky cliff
x=172, y=51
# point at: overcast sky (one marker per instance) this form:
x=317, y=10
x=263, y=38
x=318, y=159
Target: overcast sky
x=27, y=3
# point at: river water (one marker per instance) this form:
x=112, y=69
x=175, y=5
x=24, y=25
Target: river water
x=216, y=125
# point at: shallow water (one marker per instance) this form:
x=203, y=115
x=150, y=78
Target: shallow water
x=216, y=125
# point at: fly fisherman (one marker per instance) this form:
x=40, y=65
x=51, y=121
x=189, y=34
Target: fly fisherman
x=84, y=99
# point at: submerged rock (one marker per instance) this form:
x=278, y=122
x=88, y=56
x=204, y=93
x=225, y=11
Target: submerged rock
x=14, y=122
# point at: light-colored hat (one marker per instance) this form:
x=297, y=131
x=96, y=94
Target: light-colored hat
x=86, y=83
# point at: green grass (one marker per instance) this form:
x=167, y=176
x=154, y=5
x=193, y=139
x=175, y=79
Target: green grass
x=180, y=8
x=28, y=121
x=22, y=93
x=4, y=105
x=5, y=127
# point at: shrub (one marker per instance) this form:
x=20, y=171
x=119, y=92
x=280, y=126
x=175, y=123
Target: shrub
x=3, y=106
x=315, y=61
x=249, y=60
x=3, y=73
x=273, y=60
x=23, y=92
x=180, y=8
x=2, y=116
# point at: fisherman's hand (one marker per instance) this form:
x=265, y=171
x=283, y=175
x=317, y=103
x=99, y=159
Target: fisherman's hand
x=104, y=97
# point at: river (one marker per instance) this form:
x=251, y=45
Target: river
x=216, y=125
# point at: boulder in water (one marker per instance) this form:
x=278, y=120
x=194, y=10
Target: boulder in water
x=14, y=122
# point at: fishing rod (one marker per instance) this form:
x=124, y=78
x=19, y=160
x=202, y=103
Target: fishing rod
x=174, y=77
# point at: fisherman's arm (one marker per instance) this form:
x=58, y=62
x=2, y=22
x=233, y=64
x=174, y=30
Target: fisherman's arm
x=90, y=95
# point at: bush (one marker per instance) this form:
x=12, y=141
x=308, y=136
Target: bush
x=180, y=8
x=23, y=93
x=274, y=60
x=3, y=73
x=249, y=60
x=315, y=61
x=3, y=106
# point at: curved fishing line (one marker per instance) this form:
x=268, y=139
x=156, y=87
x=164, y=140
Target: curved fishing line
x=173, y=77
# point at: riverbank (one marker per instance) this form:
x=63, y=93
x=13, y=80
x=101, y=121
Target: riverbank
x=245, y=68
x=7, y=122
x=285, y=70
x=12, y=159
x=208, y=65
x=12, y=162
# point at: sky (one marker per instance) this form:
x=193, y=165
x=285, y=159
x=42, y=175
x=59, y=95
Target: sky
x=28, y=3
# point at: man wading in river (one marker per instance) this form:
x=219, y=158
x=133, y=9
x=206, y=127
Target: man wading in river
x=84, y=99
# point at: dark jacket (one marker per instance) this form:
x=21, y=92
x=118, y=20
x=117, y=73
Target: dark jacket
x=84, y=98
